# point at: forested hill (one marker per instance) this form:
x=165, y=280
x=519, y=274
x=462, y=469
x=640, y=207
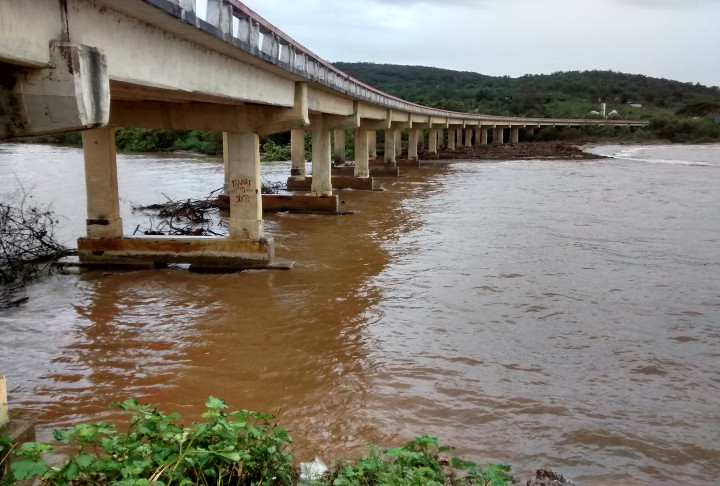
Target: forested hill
x=562, y=94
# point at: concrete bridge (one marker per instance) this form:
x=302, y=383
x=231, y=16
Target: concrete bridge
x=95, y=65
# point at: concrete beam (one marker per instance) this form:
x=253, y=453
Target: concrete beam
x=398, y=116
x=372, y=112
x=337, y=122
x=147, y=48
x=375, y=125
x=260, y=119
x=73, y=93
x=26, y=28
x=329, y=103
x=402, y=125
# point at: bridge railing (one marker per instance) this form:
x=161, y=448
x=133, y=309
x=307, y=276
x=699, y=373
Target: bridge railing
x=245, y=29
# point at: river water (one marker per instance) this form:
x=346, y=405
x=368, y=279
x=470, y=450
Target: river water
x=555, y=314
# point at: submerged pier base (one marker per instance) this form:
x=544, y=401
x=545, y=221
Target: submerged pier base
x=198, y=251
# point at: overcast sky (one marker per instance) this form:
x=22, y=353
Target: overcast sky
x=674, y=39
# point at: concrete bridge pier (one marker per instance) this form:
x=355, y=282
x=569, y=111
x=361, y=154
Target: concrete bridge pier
x=321, y=160
x=433, y=140
x=459, y=133
x=468, y=137
x=242, y=152
x=515, y=134
x=339, y=143
x=499, y=135
x=103, y=204
x=451, y=134
x=372, y=144
x=362, y=154
x=413, y=144
x=390, y=154
x=297, y=155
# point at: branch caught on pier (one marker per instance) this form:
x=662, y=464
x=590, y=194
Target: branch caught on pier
x=181, y=218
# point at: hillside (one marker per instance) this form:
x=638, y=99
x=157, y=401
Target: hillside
x=562, y=94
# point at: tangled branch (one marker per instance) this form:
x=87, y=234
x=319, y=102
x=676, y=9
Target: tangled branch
x=27, y=245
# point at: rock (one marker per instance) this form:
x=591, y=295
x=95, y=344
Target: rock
x=544, y=477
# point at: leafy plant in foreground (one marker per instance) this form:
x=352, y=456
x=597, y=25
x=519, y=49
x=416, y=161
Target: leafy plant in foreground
x=240, y=448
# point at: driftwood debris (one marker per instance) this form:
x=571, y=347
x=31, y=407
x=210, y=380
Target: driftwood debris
x=27, y=246
x=191, y=217
x=181, y=218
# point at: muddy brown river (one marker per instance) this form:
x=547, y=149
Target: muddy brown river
x=554, y=314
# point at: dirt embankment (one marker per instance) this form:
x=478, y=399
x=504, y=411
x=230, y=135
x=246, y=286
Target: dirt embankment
x=530, y=150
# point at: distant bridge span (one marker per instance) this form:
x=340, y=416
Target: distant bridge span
x=94, y=65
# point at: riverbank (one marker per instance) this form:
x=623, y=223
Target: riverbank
x=518, y=151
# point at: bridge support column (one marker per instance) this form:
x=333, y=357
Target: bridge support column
x=433, y=140
x=484, y=135
x=468, y=137
x=459, y=135
x=362, y=166
x=514, y=134
x=372, y=144
x=297, y=154
x=413, y=144
x=321, y=160
x=398, y=142
x=103, y=206
x=451, y=134
x=499, y=135
x=242, y=151
x=390, y=157
x=339, y=142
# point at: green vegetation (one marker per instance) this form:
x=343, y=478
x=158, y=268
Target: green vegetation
x=239, y=448
x=691, y=108
x=142, y=140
